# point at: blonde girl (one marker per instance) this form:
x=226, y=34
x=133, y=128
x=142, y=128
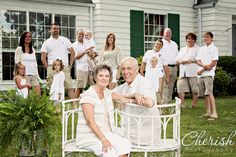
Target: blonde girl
x=20, y=80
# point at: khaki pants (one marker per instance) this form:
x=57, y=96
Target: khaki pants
x=168, y=88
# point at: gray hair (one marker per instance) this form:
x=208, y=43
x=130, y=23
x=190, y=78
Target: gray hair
x=100, y=68
x=132, y=59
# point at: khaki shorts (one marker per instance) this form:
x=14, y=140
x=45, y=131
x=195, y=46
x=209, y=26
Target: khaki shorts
x=184, y=85
x=32, y=79
x=205, y=85
x=68, y=81
x=84, y=78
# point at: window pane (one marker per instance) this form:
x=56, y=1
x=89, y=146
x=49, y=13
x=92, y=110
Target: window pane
x=72, y=33
x=48, y=19
x=33, y=31
x=151, y=30
x=146, y=29
x=14, y=43
x=146, y=18
x=151, y=19
x=156, y=17
x=157, y=31
x=47, y=32
x=64, y=32
x=6, y=30
x=40, y=19
x=8, y=65
x=6, y=43
x=22, y=17
x=32, y=18
x=22, y=29
x=65, y=20
x=71, y=21
x=40, y=31
x=58, y=19
x=14, y=15
x=162, y=20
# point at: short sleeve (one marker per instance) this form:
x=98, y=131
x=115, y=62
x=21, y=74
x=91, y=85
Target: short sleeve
x=44, y=47
x=144, y=60
x=216, y=54
x=87, y=98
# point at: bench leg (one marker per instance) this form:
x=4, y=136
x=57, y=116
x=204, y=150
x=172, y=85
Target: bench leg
x=145, y=154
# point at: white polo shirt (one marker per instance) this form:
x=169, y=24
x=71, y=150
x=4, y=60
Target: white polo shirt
x=149, y=55
x=57, y=48
x=142, y=86
x=188, y=53
x=169, y=51
x=207, y=54
x=82, y=63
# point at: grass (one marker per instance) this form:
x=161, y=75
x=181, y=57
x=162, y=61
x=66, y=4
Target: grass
x=192, y=123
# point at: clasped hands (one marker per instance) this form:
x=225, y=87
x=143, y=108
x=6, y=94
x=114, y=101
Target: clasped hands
x=134, y=98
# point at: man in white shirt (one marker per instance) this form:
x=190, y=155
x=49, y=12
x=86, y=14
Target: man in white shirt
x=144, y=97
x=58, y=47
x=169, y=53
x=207, y=60
x=83, y=52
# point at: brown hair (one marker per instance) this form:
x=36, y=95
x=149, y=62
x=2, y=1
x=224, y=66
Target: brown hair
x=209, y=33
x=61, y=64
x=192, y=35
x=107, y=44
x=22, y=42
x=100, y=68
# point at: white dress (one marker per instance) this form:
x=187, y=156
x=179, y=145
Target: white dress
x=153, y=75
x=24, y=91
x=57, y=87
x=104, y=118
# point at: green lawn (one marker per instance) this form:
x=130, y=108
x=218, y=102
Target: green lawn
x=193, y=124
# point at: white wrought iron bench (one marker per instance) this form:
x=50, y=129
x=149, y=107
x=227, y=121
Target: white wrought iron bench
x=170, y=128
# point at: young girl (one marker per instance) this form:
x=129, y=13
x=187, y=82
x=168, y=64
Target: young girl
x=155, y=75
x=20, y=80
x=57, y=90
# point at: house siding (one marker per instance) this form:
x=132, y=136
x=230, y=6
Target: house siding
x=114, y=16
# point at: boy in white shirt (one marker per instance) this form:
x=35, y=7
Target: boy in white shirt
x=207, y=59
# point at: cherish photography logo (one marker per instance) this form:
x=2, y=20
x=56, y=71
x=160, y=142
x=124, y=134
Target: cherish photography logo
x=199, y=138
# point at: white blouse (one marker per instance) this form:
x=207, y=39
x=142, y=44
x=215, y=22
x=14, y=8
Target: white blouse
x=57, y=87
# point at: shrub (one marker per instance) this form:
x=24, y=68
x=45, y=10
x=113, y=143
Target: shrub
x=221, y=82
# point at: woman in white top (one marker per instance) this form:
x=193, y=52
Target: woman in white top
x=95, y=129
x=111, y=55
x=186, y=58
x=25, y=54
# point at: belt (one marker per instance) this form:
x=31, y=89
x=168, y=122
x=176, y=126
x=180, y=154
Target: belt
x=171, y=65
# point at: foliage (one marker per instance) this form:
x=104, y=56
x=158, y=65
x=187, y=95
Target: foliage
x=228, y=63
x=139, y=59
x=29, y=123
x=221, y=82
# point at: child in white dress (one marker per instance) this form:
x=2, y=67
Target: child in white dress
x=20, y=80
x=88, y=38
x=57, y=90
x=155, y=75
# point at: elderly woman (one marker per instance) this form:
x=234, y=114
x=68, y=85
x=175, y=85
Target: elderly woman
x=95, y=129
x=111, y=55
x=186, y=58
x=25, y=54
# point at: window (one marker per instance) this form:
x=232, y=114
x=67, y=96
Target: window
x=154, y=28
x=14, y=23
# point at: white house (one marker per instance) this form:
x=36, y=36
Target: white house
x=136, y=23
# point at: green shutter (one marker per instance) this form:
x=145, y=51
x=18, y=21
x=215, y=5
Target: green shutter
x=136, y=33
x=173, y=24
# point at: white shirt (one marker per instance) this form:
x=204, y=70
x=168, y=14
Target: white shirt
x=57, y=87
x=29, y=60
x=153, y=75
x=188, y=53
x=82, y=63
x=57, y=48
x=169, y=51
x=206, y=55
x=90, y=43
x=142, y=86
x=149, y=55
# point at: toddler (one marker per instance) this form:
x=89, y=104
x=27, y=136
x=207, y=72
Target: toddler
x=57, y=90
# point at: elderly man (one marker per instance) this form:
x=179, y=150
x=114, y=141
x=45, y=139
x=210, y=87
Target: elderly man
x=169, y=53
x=140, y=92
x=58, y=47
